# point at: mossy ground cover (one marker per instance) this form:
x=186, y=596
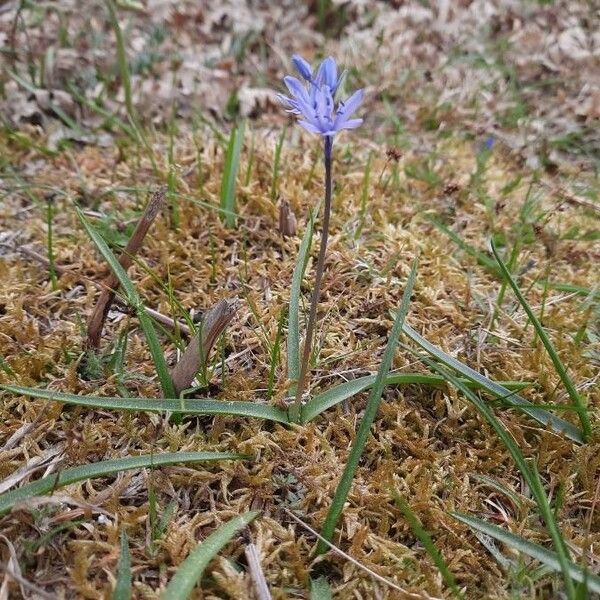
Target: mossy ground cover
x=428, y=444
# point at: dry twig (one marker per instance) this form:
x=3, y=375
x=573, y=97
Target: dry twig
x=96, y=320
x=256, y=573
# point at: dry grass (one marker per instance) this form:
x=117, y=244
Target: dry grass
x=429, y=443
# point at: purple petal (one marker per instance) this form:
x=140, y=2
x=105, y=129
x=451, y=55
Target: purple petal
x=328, y=96
x=327, y=74
x=290, y=106
x=330, y=72
x=348, y=107
x=340, y=81
x=285, y=101
x=309, y=126
x=302, y=66
x=351, y=124
x=296, y=88
x=322, y=98
x=300, y=97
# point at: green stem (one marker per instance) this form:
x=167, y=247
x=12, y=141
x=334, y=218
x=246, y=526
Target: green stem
x=51, y=263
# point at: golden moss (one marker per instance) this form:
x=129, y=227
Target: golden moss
x=428, y=443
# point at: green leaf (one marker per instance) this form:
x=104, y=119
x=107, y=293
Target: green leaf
x=276, y=351
x=122, y=589
x=360, y=440
x=319, y=589
x=121, y=58
x=135, y=301
x=592, y=293
x=530, y=473
x=536, y=551
x=495, y=389
x=576, y=399
x=427, y=542
x=293, y=337
x=230, y=171
x=106, y=467
x=189, y=572
x=338, y=393
x=182, y=406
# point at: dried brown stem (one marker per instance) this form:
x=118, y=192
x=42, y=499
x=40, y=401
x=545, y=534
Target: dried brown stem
x=256, y=573
x=96, y=321
x=166, y=321
x=195, y=356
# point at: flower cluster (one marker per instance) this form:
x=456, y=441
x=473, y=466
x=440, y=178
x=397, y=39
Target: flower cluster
x=313, y=101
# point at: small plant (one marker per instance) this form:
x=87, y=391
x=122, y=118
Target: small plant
x=230, y=171
x=314, y=104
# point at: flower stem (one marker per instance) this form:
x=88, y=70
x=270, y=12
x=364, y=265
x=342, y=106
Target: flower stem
x=312, y=318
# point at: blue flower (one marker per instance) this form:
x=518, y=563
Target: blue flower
x=302, y=66
x=314, y=101
x=489, y=142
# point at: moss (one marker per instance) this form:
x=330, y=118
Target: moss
x=429, y=443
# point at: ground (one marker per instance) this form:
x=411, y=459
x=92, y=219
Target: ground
x=481, y=122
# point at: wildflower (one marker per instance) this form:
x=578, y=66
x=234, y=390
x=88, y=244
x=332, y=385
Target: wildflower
x=489, y=142
x=314, y=101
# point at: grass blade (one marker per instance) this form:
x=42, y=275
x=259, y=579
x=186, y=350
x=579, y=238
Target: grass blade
x=338, y=393
x=495, y=389
x=529, y=473
x=122, y=589
x=519, y=500
x=576, y=399
x=547, y=557
x=121, y=58
x=341, y=493
x=276, y=352
x=106, y=467
x=427, y=542
x=591, y=293
x=183, y=406
x=49, y=243
x=293, y=337
x=319, y=589
x=135, y=301
x=482, y=258
x=364, y=198
x=230, y=171
x=276, y=164
x=189, y=572
x=96, y=108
